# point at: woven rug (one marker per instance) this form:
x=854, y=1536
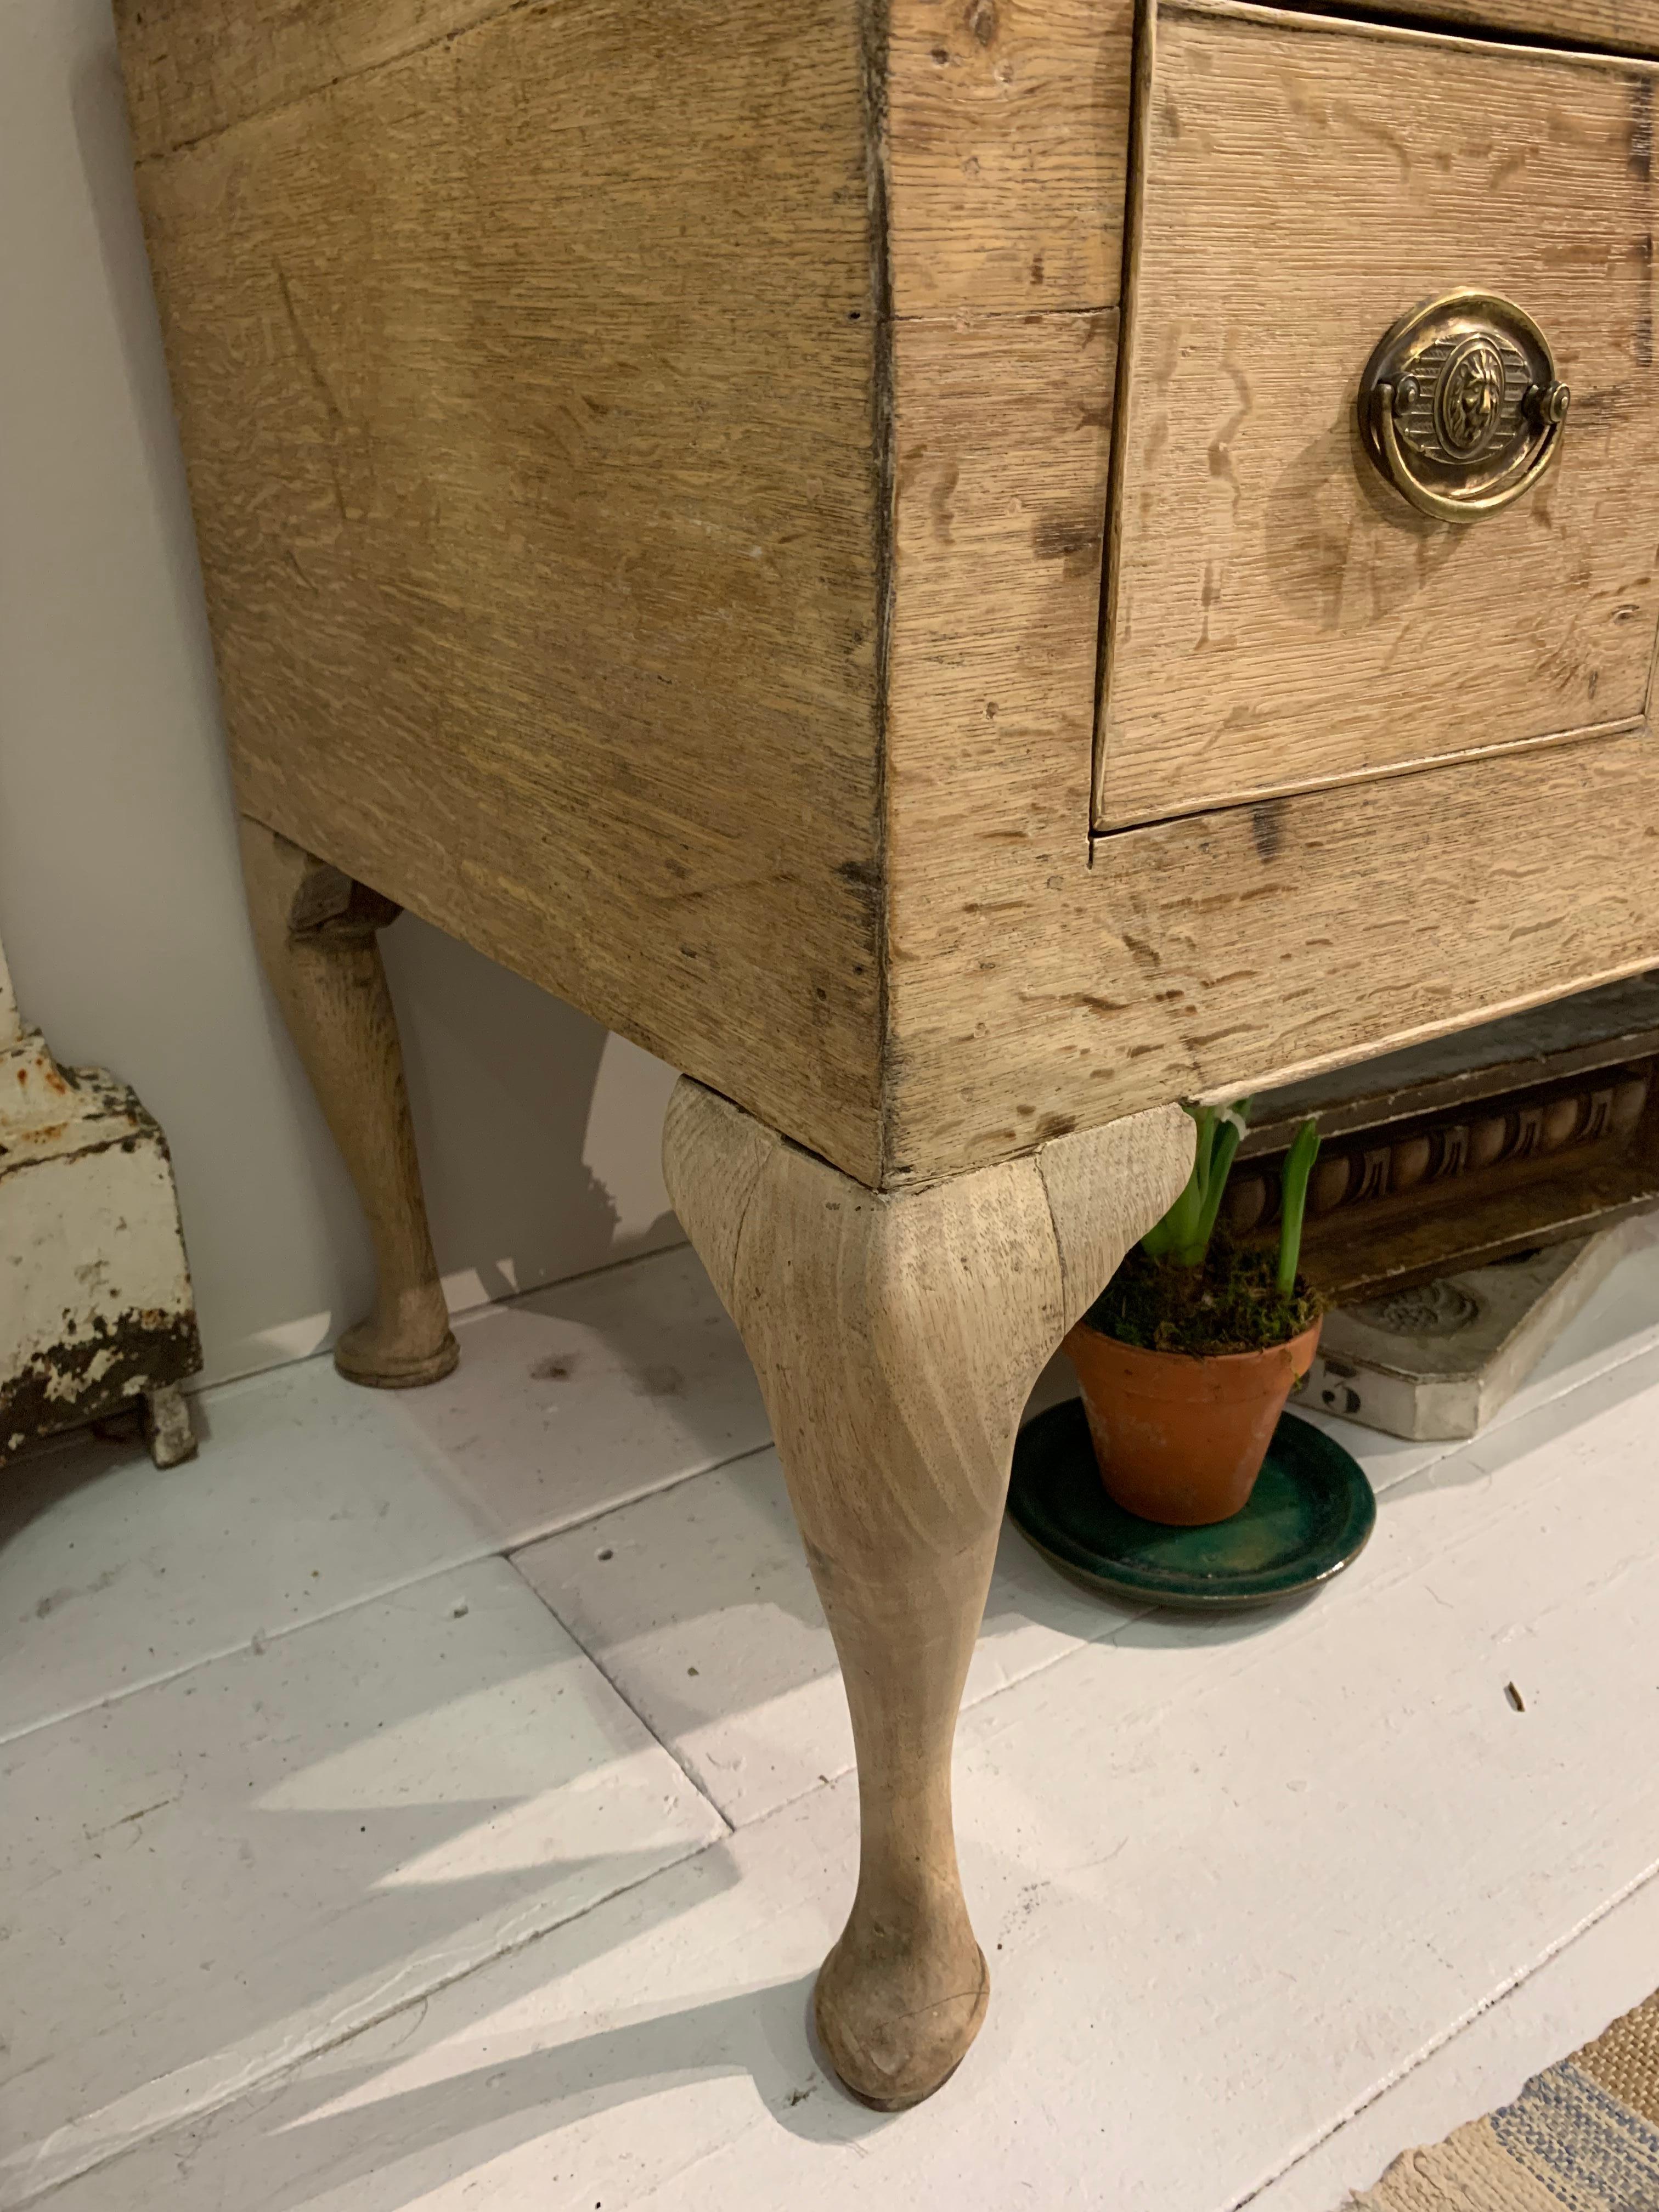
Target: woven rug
x=1583, y=2137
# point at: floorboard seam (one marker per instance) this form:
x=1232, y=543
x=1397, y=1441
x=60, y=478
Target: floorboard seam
x=289, y=2067
x=517, y=1544
x=1449, y=2035
x=507, y=1551
x=258, y=1639
x=489, y=1548
x=600, y=1668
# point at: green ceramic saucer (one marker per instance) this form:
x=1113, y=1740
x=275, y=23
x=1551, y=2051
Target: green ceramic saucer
x=1310, y=1514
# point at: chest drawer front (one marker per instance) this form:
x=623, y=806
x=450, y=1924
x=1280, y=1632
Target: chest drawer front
x=1277, y=618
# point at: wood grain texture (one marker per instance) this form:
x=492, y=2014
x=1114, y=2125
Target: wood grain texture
x=1626, y=26
x=568, y=588
x=1029, y=992
x=528, y=386
x=1278, y=616
x=1213, y=955
x=320, y=954
x=194, y=67
x=1004, y=147
x=1003, y=434
x=897, y=1340
x=1007, y=127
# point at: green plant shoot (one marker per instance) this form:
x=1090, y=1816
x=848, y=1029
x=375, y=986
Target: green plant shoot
x=1294, y=1206
x=1182, y=1236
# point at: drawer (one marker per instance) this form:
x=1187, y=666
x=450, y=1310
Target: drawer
x=1278, y=618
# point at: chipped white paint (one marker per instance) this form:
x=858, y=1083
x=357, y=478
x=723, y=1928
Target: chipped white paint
x=94, y=1291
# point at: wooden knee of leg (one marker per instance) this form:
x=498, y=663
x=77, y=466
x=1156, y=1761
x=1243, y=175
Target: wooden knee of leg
x=896, y=1339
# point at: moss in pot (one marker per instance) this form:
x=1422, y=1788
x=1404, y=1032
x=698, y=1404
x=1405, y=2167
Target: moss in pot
x=1188, y=1356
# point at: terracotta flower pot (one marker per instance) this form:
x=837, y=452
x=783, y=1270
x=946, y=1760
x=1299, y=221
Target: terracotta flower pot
x=1182, y=1440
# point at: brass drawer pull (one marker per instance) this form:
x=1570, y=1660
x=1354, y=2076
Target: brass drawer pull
x=1460, y=407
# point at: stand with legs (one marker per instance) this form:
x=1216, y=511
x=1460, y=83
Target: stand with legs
x=896, y=1337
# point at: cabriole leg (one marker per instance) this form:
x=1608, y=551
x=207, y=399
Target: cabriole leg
x=316, y=930
x=897, y=1338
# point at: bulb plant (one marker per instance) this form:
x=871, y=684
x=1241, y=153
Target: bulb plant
x=1186, y=1360
x=1188, y=1287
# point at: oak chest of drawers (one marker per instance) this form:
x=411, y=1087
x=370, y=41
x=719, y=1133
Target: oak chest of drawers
x=962, y=570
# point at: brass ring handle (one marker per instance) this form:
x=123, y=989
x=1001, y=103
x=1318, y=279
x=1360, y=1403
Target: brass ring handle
x=1460, y=406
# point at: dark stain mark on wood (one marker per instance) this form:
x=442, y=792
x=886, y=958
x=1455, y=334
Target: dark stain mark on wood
x=1197, y=1044
x=867, y=880
x=981, y=17
x=1267, y=827
x=1641, y=128
x=939, y=500
x=1639, y=155
x=1072, y=537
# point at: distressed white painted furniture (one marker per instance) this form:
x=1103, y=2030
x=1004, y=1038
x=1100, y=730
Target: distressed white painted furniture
x=96, y=1312
x=841, y=541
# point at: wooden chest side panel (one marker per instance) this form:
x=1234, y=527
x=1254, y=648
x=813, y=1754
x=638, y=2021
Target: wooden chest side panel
x=526, y=386
x=193, y=67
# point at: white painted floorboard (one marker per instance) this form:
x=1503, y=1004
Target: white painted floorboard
x=1240, y=1875
x=310, y=1494
x=574, y=1398
x=210, y=1878
x=698, y=1604
x=1611, y=1966
x=306, y=1498
x=1264, y=1901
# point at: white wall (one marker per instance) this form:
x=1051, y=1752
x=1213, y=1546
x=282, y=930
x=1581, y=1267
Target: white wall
x=120, y=903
